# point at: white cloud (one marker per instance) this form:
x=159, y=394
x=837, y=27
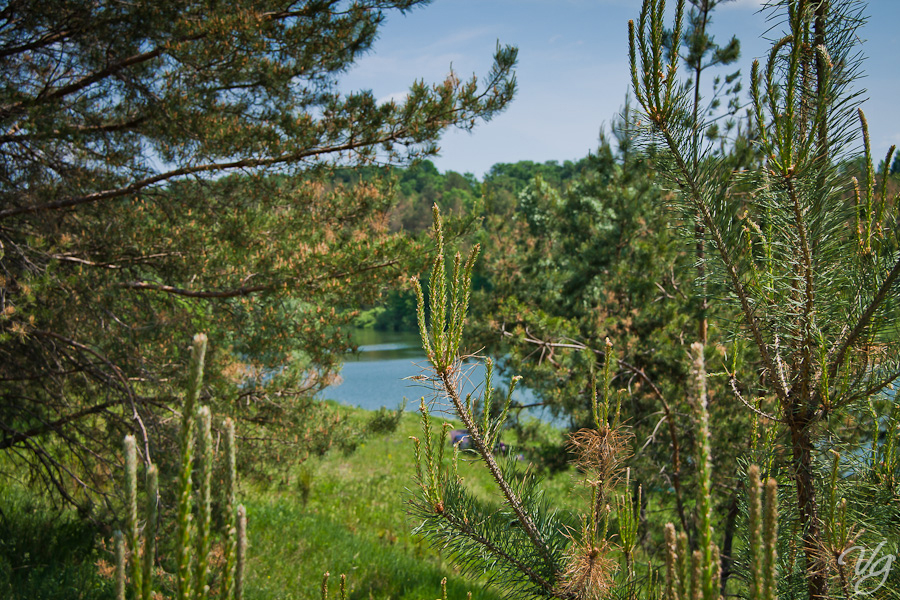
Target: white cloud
x=398, y=97
x=742, y=5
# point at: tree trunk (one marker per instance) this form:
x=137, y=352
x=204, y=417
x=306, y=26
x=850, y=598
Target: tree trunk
x=802, y=447
x=727, y=542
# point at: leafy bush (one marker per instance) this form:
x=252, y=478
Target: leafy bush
x=384, y=420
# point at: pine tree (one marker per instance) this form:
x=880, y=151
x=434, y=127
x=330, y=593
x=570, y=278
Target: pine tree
x=119, y=233
x=810, y=257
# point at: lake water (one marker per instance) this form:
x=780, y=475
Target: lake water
x=381, y=374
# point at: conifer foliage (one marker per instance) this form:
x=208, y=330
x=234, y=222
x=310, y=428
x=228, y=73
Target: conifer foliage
x=809, y=255
x=525, y=546
x=119, y=234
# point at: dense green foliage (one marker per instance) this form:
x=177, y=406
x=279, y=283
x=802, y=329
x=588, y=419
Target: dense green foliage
x=795, y=249
x=766, y=238
x=464, y=199
x=120, y=234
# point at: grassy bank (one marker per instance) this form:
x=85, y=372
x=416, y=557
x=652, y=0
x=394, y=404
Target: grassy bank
x=354, y=521
x=341, y=513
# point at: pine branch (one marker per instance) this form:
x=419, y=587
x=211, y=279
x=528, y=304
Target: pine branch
x=396, y=135
x=697, y=197
x=864, y=320
x=21, y=436
x=463, y=527
x=247, y=290
x=514, y=502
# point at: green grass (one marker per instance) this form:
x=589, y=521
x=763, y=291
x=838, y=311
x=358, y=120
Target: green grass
x=341, y=513
x=46, y=553
x=355, y=522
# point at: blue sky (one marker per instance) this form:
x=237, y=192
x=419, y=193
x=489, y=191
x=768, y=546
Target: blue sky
x=573, y=70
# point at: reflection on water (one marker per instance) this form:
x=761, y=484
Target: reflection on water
x=383, y=370
x=384, y=348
